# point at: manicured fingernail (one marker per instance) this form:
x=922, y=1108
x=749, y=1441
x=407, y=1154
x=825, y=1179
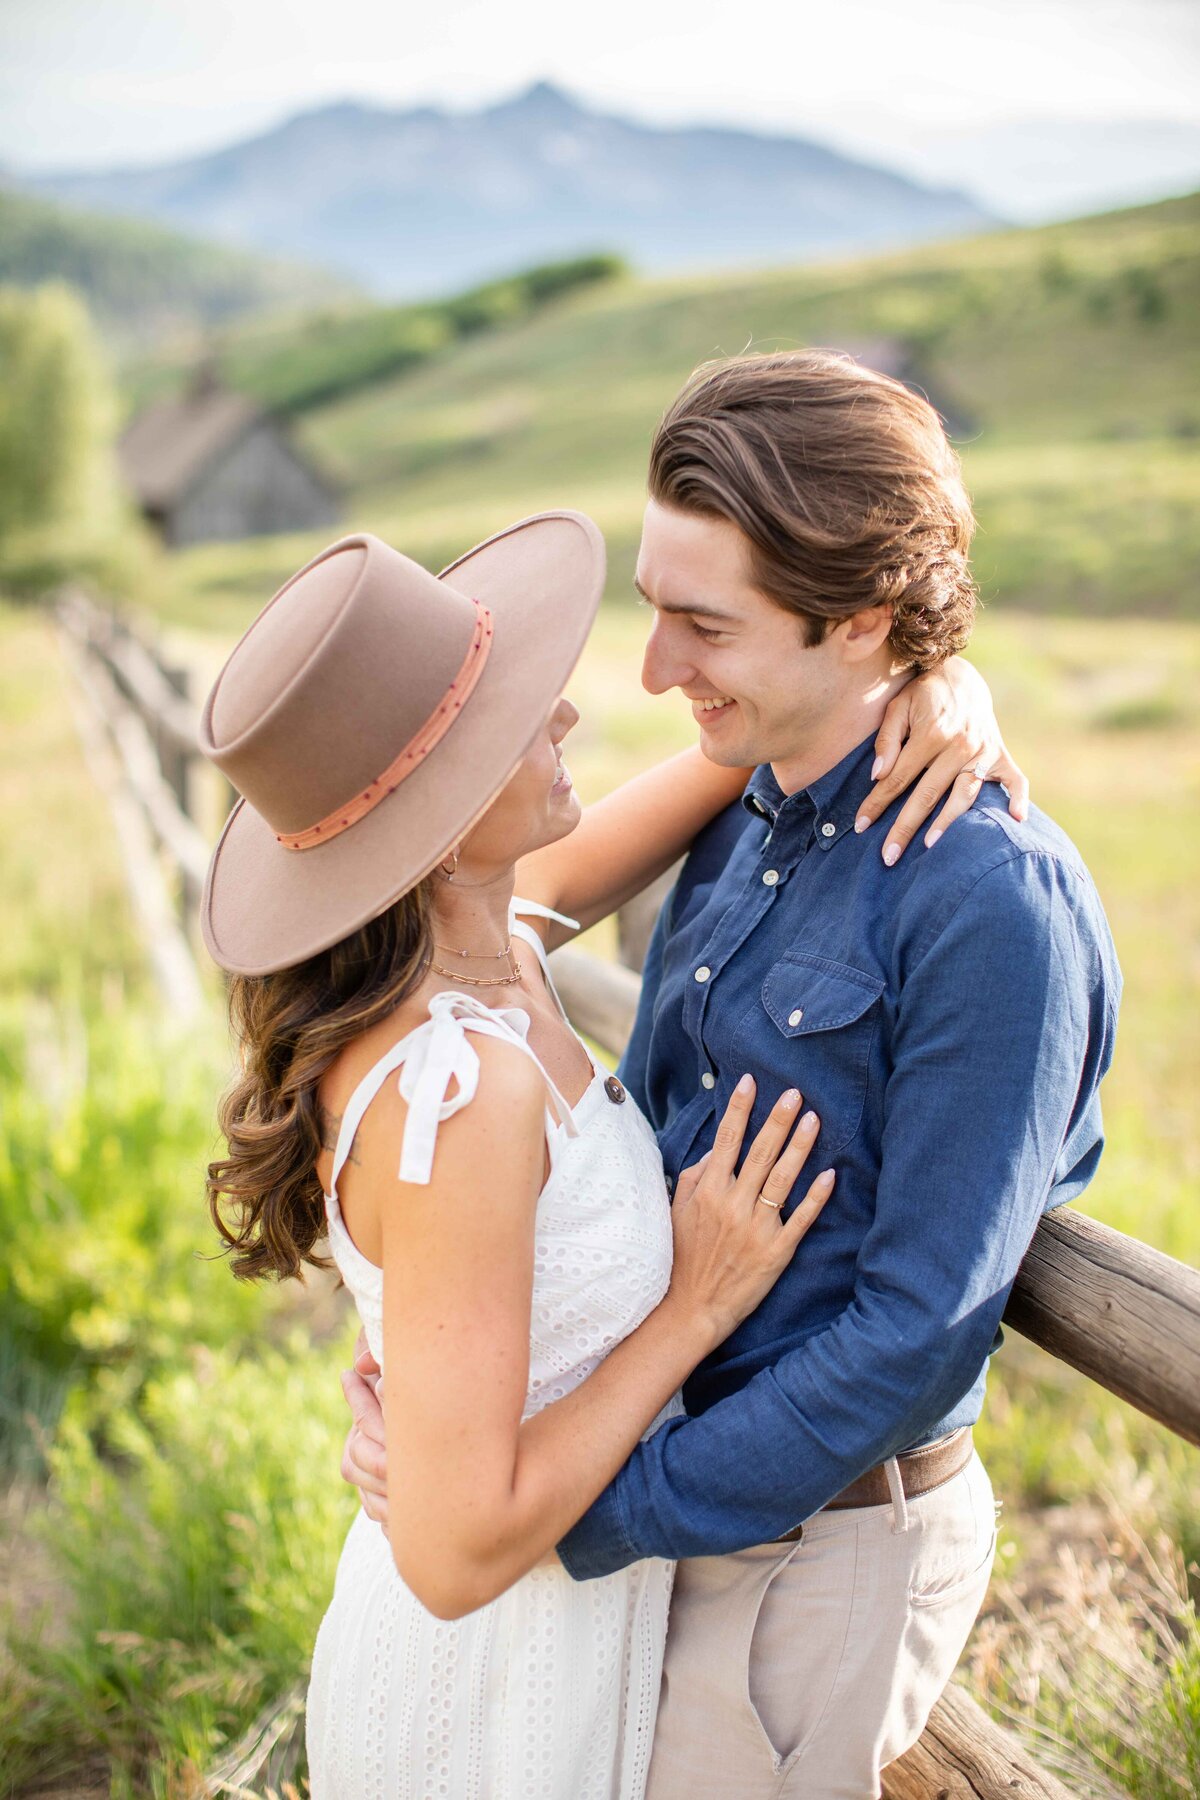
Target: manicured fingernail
x=876, y=766
x=825, y=1178
x=891, y=855
x=932, y=837
x=809, y=1122
x=745, y=1085
x=862, y=823
x=790, y=1100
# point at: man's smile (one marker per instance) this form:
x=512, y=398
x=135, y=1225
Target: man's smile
x=711, y=707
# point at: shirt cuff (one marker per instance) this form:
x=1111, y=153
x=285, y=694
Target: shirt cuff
x=599, y=1543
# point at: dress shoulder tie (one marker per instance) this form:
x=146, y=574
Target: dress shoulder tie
x=439, y=1075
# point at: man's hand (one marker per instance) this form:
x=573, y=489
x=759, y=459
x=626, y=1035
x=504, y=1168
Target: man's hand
x=364, y=1456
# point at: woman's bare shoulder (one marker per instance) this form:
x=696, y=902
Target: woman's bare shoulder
x=509, y=1096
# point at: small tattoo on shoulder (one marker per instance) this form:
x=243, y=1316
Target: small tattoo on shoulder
x=331, y=1125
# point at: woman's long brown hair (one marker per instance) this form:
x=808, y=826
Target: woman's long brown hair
x=264, y=1196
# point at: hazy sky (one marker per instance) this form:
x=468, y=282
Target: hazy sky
x=97, y=82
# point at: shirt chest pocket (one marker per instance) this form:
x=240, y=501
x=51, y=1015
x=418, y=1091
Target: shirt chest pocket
x=814, y=1031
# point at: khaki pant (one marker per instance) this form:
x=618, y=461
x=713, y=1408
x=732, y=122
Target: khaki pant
x=803, y=1669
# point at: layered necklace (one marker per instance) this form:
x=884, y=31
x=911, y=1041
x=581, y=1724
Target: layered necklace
x=506, y=955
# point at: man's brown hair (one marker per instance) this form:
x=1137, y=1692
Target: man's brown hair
x=844, y=483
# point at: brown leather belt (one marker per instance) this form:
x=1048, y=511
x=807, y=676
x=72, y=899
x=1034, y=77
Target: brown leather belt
x=920, y=1472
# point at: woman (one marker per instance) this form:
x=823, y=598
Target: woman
x=498, y=1211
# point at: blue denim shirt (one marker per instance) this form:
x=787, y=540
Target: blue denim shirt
x=950, y=1021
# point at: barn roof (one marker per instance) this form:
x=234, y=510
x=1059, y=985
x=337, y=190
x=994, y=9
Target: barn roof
x=171, y=442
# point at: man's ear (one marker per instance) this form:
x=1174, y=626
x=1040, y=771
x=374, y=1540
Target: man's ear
x=864, y=633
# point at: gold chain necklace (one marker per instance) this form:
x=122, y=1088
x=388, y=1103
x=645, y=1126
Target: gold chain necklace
x=509, y=980
x=479, y=955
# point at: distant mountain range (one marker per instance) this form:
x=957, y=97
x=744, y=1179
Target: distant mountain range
x=425, y=201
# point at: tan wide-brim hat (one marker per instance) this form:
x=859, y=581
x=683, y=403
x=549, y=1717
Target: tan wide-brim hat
x=369, y=717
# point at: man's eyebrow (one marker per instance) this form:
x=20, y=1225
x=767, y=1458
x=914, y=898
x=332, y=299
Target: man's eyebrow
x=696, y=611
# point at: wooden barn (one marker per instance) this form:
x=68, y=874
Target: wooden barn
x=210, y=464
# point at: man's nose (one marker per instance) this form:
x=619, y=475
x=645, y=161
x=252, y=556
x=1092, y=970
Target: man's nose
x=662, y=667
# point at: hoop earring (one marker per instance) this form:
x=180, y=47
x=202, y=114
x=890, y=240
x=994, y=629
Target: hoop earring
x=448, y=874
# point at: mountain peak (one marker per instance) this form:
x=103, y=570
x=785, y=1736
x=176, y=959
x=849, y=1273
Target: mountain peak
x=544, y=99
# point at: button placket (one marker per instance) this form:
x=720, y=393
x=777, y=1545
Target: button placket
x=736, y=925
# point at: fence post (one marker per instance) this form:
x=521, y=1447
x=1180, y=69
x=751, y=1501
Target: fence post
x=176, y=765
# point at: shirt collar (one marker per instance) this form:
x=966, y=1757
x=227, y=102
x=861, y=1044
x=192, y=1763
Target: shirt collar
x=831, y=801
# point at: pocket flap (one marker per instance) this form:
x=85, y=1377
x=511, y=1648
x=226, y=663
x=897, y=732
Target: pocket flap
x=810, y=993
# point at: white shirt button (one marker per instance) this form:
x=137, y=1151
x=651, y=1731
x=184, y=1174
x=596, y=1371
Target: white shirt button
x=703, y=972
x=708, y=1079
x=829, y=829
x=771, y=876
x=794, y=1018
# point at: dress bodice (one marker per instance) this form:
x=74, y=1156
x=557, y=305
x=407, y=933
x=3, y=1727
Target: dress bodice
x=602, y=1244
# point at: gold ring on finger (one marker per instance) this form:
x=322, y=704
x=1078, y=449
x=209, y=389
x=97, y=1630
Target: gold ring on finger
x=774, y=1205
x=980, y=769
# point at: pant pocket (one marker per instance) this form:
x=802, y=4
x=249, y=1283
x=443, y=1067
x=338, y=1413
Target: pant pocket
x=798, y=1640
x=955, y=1583
x=940, y=1617
x=957, y=1540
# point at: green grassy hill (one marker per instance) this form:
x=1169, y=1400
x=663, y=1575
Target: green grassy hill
x=142, y=280
x=297, y=362
x=1071, y=350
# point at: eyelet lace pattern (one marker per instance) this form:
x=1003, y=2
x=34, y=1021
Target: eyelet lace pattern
x=550, y=1692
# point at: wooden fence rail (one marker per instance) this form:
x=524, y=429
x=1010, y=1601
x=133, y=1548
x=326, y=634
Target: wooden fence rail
x=1122, y=1313
x=140, y=734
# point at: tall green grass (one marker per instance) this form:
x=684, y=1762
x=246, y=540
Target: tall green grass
x=111, y=1269
x=188, y=1425
x=195, y=1552
x=175, y=1434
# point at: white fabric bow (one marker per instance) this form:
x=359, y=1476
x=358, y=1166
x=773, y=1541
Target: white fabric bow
x=441, y=1055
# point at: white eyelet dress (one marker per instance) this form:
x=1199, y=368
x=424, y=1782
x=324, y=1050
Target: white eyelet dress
x=550, y=1692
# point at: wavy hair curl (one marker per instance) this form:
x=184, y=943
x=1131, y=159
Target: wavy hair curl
x=264, y=1195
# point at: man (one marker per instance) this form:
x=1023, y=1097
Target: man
x=949, y=1018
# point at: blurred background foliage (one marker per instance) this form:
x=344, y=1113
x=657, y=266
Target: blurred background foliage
x=169, y=1440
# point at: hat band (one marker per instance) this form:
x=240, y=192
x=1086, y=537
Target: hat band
x=413, y=753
